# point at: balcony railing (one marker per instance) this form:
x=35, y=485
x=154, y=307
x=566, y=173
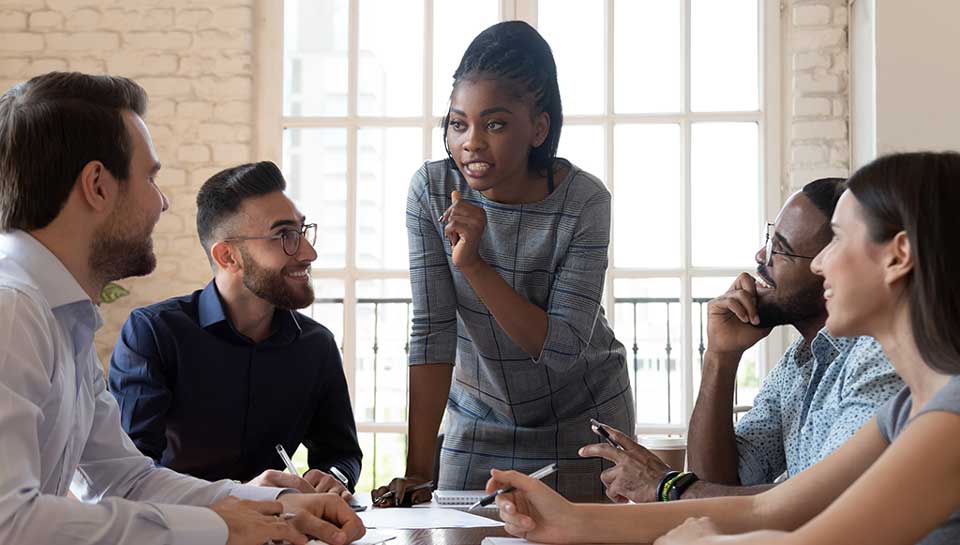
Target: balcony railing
x=647, y=326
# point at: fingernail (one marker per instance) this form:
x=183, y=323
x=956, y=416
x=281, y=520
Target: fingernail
x=580, y=452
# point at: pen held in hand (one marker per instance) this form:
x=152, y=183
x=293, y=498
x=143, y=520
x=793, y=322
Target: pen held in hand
x=338, y=475
x=599, y=429
x=390, y=493
x=490, y=498
x=286, y=460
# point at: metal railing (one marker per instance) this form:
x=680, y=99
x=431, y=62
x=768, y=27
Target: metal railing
x=644, y=360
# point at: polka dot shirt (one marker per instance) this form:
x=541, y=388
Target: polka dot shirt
x=815, y=399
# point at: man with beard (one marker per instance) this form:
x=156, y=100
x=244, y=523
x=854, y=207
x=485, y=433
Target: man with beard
x=819, y=394
x=209, y=383
x=78, y=204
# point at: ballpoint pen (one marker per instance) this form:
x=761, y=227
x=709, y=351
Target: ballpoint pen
x=538, y=474
x=390, y=493
x=598, y=429
x=286, y=460
x=335, y=471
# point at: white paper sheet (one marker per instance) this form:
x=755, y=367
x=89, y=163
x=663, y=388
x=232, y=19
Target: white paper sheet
x=505, y=541
x=399, y=518
x=372, y=537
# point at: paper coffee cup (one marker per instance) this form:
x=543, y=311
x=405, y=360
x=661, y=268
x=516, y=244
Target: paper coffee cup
x=671, y=450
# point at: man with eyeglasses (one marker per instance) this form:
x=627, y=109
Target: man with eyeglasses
x=819, y=394
x=211, y=382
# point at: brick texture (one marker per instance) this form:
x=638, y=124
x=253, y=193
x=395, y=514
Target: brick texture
x=195, y=61
x=816, y=135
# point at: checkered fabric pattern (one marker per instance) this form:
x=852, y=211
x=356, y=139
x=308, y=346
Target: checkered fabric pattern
x=506, y=409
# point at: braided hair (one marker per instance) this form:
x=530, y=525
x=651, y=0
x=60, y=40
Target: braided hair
x=517, y=56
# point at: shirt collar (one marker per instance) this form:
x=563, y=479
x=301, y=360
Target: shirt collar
x=210, y=312
x=46, y=272
x=824, y=348
x=211, y=307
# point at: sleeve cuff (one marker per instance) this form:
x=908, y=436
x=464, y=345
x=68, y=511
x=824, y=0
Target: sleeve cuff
x=191, y=525
x=259, y=493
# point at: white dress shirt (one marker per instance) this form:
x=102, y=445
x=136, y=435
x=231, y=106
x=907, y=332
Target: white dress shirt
x=58, y=424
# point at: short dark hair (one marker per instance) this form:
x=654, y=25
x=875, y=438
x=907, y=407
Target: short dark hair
x=52, y=126
x=222, y=195
x=824, y=194
x=515, y=54
x=919, y=193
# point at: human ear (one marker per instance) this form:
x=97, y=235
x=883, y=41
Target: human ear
x=97, y=186
x=898, y=260
x=226, y=256
x=541, y=128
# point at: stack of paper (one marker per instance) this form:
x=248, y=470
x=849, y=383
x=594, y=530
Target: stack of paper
x=458, y=498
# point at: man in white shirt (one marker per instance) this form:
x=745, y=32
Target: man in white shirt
x=78, y=204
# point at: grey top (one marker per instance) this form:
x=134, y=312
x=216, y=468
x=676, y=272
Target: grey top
x=894, y=417
x=506, y=409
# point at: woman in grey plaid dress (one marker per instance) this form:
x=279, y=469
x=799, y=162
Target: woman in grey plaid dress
x=508, y=251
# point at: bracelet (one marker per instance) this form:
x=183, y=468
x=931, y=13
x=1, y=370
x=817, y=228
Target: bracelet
x=662, y=484
x=680, y=485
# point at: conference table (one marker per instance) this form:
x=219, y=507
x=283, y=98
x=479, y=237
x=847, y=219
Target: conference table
x=450, y=536
x=446, y=536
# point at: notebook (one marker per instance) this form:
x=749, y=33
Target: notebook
x=458, y=498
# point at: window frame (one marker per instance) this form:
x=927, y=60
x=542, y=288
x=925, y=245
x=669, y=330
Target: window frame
x=271, y=122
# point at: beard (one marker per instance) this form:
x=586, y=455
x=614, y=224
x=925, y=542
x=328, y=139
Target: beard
x=271, y=285
x=121, y=251
x=794, y=308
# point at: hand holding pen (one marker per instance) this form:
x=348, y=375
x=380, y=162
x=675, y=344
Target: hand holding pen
x=314, y=481
x=534, y=511
x=402, y=492
x=490, y=498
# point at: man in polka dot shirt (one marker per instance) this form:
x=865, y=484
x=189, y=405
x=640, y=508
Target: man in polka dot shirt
x=820, y=393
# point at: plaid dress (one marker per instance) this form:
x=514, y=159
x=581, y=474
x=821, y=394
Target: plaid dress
x=508, y=410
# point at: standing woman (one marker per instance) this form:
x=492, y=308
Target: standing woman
x=508, y=251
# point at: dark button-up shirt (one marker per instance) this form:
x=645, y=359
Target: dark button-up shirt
x=200, y=398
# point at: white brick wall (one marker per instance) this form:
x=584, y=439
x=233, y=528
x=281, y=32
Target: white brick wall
x=195, y=61
x=816, y=69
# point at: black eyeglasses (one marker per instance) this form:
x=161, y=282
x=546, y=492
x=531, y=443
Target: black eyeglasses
x=769, y=251
x=289, y=238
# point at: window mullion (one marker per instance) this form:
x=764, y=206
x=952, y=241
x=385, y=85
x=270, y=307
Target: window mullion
x=349, y=277
x=526, y=10
x=427, y=113
x=607, y=123
x=687, y=394
x=269, y=67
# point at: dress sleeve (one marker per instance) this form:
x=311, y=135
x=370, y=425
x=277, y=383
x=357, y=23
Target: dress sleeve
x=433, y=337
x=575, y=297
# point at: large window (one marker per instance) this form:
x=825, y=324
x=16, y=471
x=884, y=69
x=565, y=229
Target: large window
x=667, y=101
